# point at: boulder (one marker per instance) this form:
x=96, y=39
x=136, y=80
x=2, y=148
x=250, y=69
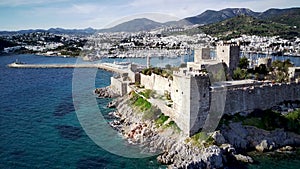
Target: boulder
x=242, y=158
x=265, y=145
x=286, y=148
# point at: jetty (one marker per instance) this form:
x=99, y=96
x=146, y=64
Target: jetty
x=105, y=66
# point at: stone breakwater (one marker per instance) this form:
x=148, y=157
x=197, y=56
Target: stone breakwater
x=173, y=147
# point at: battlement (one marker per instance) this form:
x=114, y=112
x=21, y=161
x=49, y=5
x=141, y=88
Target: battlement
x=228, y=44
x=190, y=73
x=248, y=85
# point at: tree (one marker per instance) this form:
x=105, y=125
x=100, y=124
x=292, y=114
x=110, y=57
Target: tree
x=168, y=66
x=243, y=64
x=261, y=69
x=239, y=74
x=282, y=65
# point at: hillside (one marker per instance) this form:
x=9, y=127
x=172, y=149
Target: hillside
x=211, y=16
x=248, y=25
x=86, y=31
x=135, y=25
x=289, y=16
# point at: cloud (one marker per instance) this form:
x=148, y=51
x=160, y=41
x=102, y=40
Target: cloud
x=100, y=13
x=27, y=2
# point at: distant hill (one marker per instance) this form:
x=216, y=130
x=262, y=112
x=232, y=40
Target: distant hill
x=234, y=27
x=290, y=16
x=286, y=16
x=72, y=31
x=135, y=25
x=52, y=30
x=211, y=16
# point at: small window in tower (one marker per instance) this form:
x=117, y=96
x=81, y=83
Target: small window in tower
x=204, y=95
x=181, y=92
x=222, y=50
x=176, y=90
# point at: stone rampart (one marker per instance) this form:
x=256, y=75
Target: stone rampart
x=119, y=85
x=246, y=99
x=156, y=82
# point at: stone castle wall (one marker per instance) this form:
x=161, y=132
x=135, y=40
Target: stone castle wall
x=156, y=82
x=181, y=95
x=246, y=99
x=118, y=85
x=200, y=103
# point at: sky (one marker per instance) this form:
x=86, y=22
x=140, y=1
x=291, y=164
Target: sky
x=70, y=14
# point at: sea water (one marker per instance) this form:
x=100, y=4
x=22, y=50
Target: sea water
x=38, y=124
x=39, y=127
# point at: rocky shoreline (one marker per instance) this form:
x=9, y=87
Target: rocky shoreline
x=230, y=143
x=106, y=92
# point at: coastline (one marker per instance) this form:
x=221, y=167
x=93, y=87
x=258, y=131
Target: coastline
x=229, y=146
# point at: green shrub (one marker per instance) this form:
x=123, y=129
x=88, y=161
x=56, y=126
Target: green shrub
x=267, y=120
x=293, y=121
x=243, y=63
x=140, y=102
x=158, y=71
x=147, y=93
x=161, y=120
x=239, y=74
x=201, y=139
x=254, y=121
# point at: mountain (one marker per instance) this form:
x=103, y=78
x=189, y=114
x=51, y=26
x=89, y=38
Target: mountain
x=273, y=12
x=289, y=16
x=72, y=31
x=52, y=30
x=211, y=16
x=234, y=27
x=135, y=25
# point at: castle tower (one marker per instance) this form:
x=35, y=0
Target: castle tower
x=191, y=100
x=229, y=54
x=201, y=54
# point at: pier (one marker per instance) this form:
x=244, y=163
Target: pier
x=105, y=66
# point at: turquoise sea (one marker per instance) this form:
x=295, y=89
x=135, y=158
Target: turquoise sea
x=40, y=129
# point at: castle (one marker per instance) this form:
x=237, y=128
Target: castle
x=196, y=95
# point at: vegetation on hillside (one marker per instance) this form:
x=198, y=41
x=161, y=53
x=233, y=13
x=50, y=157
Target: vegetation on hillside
x=278, y=72
x=150, y=112
x=201, y=139
x=290, y=17
x=268, y=120
x=139, y=102
x=235, y=27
